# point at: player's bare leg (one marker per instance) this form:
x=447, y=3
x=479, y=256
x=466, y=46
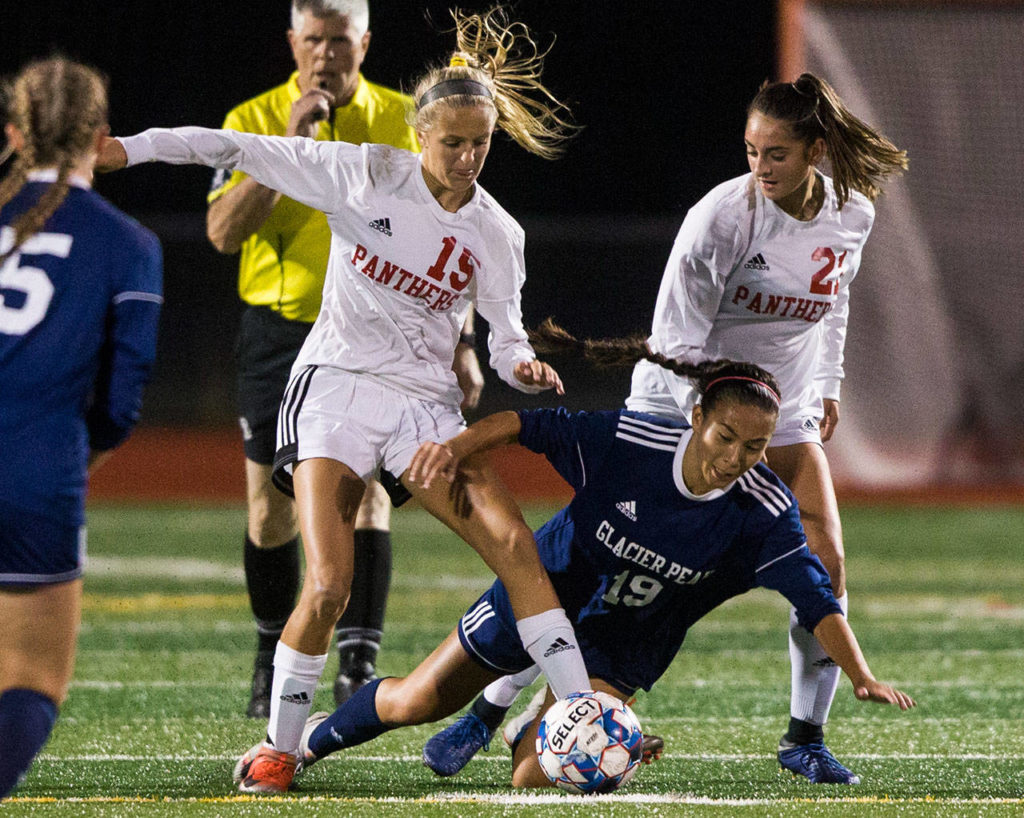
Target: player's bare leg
x=327, y=495
x=481, y=511
x=38, y=645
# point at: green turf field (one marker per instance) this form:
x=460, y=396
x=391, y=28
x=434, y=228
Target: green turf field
x=154, y=720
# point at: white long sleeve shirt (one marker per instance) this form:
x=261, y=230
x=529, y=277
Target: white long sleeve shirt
x=747, y=281
x=403, y=272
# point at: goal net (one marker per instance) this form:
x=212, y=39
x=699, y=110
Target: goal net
x=934, y=387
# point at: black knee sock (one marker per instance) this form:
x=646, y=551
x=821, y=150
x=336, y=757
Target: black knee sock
x=803, y=732
x=272, y=577
x=360, y=628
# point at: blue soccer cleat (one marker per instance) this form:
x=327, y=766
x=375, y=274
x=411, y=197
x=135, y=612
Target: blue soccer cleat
x=450, y=750
x=815, y=763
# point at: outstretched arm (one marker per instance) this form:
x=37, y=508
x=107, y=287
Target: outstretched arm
x=442, y=459
x=837, y=639
x=239, y=212
x=303, y=169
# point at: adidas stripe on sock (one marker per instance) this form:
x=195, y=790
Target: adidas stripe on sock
x=291, y=696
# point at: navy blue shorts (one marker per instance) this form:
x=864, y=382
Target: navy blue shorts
x=37, y=550
x=488, y=633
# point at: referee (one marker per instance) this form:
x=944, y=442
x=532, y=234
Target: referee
x=284, y=248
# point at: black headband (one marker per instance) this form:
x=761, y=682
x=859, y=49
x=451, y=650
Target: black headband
x=451, y=88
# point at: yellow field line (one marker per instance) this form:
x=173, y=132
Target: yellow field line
x=523, y=798
x=153, y=602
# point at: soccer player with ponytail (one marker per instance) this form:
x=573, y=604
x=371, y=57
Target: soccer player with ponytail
x=761, y=271
x=415, y=240
x=80, y=294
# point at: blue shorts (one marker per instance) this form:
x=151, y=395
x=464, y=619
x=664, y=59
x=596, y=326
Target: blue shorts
x=37, y=550
x=488, y=633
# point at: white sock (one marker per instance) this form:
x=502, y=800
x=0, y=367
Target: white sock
x=814, y=677
x=503, y=692
x=549, y=639
x=291, y=695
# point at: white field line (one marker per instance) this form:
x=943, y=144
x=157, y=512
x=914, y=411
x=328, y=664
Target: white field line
x=108, y=685
x=415, y=759
x=191, y=570
x=530, y=799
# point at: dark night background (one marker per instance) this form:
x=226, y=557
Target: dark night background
x=660, y=89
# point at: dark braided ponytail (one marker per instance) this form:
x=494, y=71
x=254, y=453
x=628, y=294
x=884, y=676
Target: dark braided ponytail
x=715, y=380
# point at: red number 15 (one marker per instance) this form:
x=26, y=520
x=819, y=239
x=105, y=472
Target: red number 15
x=467, y=266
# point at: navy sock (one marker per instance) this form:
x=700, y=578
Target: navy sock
x=803, y=732
x=352, y=723
x=26, y=719
x=489, y=714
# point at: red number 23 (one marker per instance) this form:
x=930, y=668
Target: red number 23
x=818, y=284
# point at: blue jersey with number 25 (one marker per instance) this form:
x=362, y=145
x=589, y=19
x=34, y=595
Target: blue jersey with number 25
x=79, y=307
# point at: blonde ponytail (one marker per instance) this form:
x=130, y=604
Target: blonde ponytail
x=504, y=58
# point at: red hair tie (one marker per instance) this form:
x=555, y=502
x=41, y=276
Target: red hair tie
x=771, y=391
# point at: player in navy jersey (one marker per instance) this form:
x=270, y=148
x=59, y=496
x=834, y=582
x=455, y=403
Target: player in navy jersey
x=667, y=522
x=80, y=294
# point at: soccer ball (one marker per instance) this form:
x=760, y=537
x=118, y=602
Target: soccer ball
x=589, y=742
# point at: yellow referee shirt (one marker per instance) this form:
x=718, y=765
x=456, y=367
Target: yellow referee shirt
x=284, y=262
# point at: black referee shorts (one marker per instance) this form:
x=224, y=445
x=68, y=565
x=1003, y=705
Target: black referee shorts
x=266, y=349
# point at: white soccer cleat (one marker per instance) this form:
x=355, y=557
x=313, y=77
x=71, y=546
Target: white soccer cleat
x=306, y=756
x=514, y=728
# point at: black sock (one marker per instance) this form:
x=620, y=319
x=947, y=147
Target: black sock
x=371, y=581
x=489, y=714
x=272, y=578
x=803, y=732
x=359, y=631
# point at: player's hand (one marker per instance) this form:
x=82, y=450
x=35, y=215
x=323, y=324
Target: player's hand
x=875, y=691
x=538, y=373
x=110, y=156
x=830, y=420
x=308, y=111
x=432, y=461
x=471, y=379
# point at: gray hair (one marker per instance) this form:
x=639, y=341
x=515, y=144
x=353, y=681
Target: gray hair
x=357, y=11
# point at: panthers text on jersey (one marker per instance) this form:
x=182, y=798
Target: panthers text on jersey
x=748, y=282
x=403, y=272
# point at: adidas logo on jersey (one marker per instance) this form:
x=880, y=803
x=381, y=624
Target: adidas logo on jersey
x=557, y=647
x=811, y=424
x=383, y=225
x=295, y=698
x=628, y=507
x=757, y=263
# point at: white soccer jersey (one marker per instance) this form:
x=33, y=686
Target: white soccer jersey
x=749, y=282
x=403, y=272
